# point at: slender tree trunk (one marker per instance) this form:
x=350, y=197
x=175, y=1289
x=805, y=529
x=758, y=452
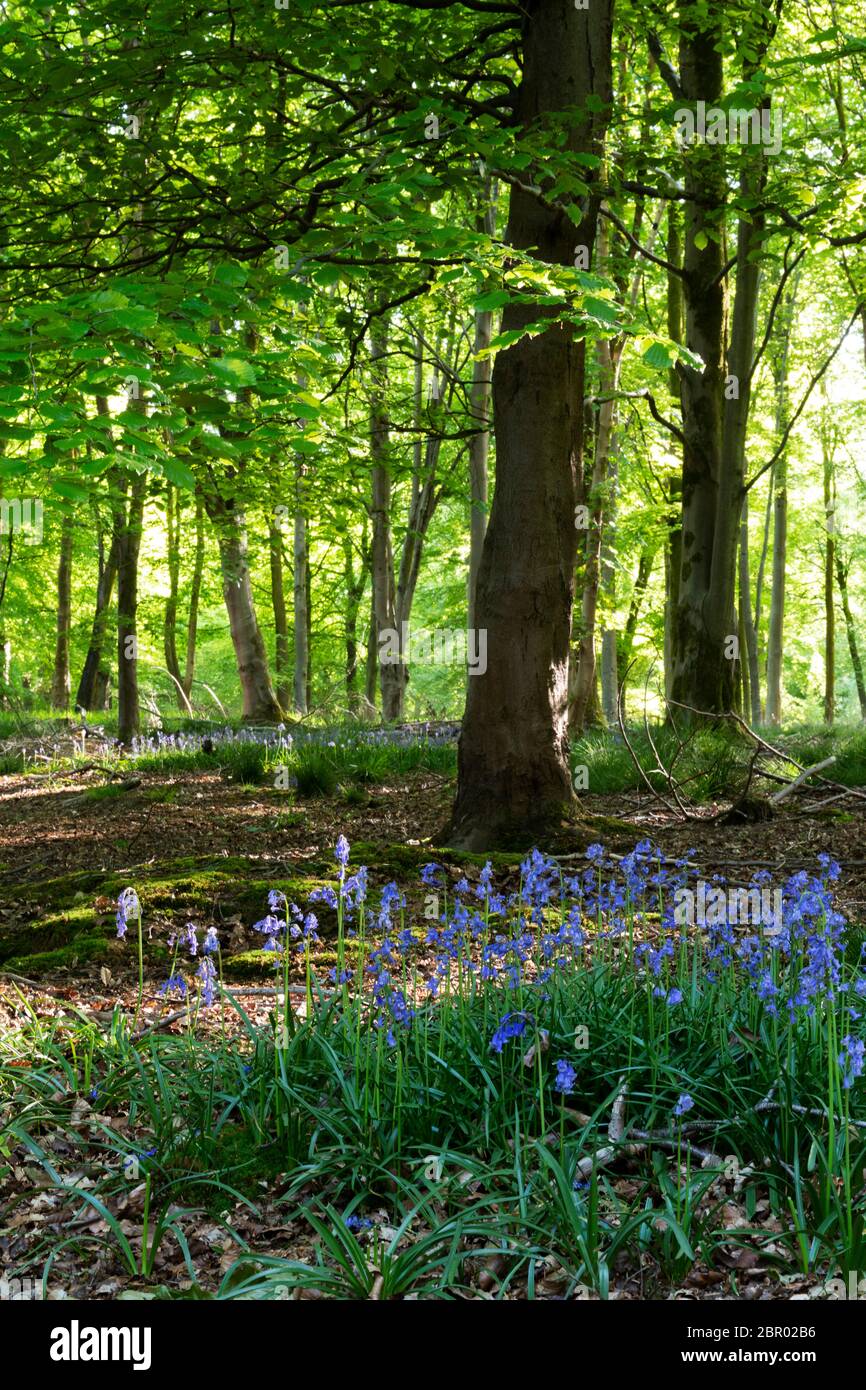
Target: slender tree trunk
x=309, y=625
x=749, y=636
x=583, y=698
x=353, y=585
x=371, y=670
x=194, y=597
x=638, y=594
x=673, y=556
x=173, y=530
x=393, y=675
x=282, y=664
x=93, y=682
x=514, y=779
x=128, y=525
x=61, y=683
x=779, y=486
x=851, y=633
x=300, y=560
x=829, y=580
x=777, y=596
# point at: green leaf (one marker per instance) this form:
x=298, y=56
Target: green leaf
x=179, y=474
x=234, y=371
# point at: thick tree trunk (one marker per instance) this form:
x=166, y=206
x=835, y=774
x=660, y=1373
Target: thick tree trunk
x=702, y=678
x=716, y=399
x=514, y=780
x=479, y=400
x=61, y=684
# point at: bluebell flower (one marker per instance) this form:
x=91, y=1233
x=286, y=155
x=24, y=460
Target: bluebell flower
x=175, y=984
x=127, y=906
x=566, y=1076
x=851, y=1059
x=684, y=1104
x=511, y=1025
x=207, y=975
x=341, y=851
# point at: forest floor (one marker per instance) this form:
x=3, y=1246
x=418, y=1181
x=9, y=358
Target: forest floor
x=196, y=848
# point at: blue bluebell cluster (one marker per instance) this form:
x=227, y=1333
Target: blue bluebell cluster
x=519, y=947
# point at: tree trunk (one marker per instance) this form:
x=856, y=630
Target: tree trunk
x=371, y=670
x=514, y=780
x=278, y=601
x=393, y=675
x=673, y=555
x=194, y=597
x=173, y=530
x=851, y=633
x=300, y=561
x=716, y=399
x=128, y=524
x=260, y=704
x=61, y=683
x=638, y=594
x=779, y=487
x=749, y=635
x=479, y=401
x=354, y=589
x=583, y=697
x=829, y=580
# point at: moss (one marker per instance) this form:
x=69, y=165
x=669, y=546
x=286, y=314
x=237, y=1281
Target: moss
x=202, y=889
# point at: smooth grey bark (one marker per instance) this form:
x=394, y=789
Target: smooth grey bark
x=173, y=533
x=61, y=684
x=851, y=632
x=278, y=603
x=393, y=675
x=829, y=582
x=194, y=596
x=779, y=488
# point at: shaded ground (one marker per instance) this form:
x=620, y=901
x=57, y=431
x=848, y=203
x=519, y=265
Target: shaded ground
x=197, y=848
